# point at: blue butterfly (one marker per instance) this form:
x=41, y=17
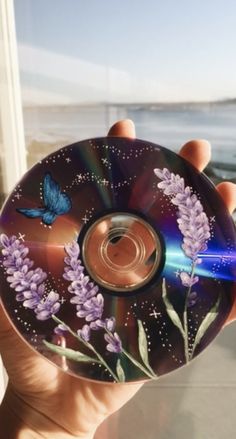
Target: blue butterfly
x=55, y=201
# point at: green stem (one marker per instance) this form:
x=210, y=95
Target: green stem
x=103, y=362
x=185, y=316
x=151, y=370
x=89, y=346
x=139, y=365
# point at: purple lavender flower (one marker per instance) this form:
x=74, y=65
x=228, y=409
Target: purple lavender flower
x=73, y=250
x=80, y=286
x=114, y=342
x=47, y=307
x=192, y=299
x=60, y=329
x=92, y=309
x=193, y=222
x=23, y=279
x=108, y=323
x=73, y=272
x=97, y=324
x=83, y=291
x=187, y=280
x=32, y=296
x=89, y=302
x=27, y=282
x=84, y=333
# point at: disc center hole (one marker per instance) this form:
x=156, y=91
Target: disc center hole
x=121, y=249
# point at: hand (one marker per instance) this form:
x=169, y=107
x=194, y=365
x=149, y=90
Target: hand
x=41, y=400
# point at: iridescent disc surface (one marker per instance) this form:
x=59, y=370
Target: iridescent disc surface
x=117, y=260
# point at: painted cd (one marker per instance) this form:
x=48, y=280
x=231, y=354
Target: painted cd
x=117, y=260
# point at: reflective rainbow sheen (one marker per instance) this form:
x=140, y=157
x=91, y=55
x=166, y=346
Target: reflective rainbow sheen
x=176, y=260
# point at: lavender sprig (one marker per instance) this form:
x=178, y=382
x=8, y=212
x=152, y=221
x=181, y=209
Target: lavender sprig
x=31, y=290
x=27, y=282
x=89, y=302
x=83, y=336
x=90, y=305
x=194, y=226
x=193, y=222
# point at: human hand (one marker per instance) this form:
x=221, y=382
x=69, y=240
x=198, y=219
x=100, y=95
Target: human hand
x=43, y=401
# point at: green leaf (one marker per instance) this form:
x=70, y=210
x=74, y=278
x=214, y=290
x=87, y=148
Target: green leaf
x=143, y=346
x=170, y=310
x=120, y=371
x=142, y=343
x=207, y=321
x=70, y=353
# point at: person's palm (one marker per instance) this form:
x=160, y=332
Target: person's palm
x=68, y=403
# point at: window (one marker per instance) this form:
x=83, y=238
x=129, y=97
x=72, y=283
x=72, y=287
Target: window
x=69, y=70
x=85, y=65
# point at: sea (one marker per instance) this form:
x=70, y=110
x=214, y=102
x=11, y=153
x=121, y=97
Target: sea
x=170, y=125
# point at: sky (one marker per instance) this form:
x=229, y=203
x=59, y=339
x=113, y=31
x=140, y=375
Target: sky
x=78, y=51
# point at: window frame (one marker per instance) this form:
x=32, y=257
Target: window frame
x=14, y=162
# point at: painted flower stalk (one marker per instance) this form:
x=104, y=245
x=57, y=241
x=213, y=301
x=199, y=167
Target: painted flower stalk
x=90, y=305
x=30, y=286
x=28, y=283
x=89, y=302
x=194, y=226
x=193, y=222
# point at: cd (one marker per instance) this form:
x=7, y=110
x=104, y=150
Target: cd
x=117, y=260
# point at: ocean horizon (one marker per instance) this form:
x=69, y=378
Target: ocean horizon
x=168, y=124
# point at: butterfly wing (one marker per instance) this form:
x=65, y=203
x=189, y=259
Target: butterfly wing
x=63, y=204
x=51, y=192
x=55, y=201
x=48, y=218
x=31, y=213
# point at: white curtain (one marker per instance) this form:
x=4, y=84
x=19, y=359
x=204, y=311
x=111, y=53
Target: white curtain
x=3, y=380
x=13, y=152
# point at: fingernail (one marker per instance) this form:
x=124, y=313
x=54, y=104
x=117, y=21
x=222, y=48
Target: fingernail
x=129, y=126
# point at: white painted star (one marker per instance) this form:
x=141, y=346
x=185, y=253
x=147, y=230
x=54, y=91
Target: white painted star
x=18, y=196
x=21, y=236
x=105, y=182
x=155, y=314
x=68, y=160
x=104, y=161
x=85, y=219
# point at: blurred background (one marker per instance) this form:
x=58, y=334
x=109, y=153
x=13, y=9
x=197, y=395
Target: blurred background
x=69, y=70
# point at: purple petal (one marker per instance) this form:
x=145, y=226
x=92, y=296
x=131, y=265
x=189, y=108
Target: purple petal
x=60, y=329
x=186, y=279
x=97, y=324
x=4, y=240
x=55, y=308
x=43, y=315
x=84, y=333
x=52, y=297
x=110, y=323
x=114, y=343
x=72, y=249
x=31, y=303
x=20, y=297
